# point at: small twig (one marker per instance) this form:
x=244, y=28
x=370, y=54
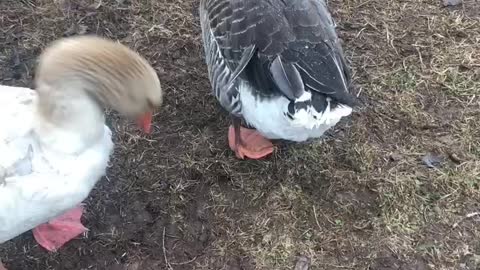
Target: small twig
x=186, y=262
x=336, y=266
x=467, y=216
x=316, y=219
x=100, y=3
x=362, y=4
x=165, y=252
x=325, y=216
x=420, y=58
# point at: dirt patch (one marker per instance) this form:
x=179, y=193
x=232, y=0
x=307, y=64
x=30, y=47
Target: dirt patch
x=361, y=198
x=392, y=263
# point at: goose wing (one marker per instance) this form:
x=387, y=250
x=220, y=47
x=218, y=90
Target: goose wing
x=282, y=47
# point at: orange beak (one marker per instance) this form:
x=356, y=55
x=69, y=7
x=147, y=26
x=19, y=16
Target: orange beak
x=145, y=122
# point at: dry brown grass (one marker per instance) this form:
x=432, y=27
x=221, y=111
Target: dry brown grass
x=359, y=199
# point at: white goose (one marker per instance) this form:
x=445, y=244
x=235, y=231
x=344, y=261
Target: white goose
x=278, y=65
x=54, y=145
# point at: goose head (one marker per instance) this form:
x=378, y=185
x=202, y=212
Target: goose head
x=77, y=74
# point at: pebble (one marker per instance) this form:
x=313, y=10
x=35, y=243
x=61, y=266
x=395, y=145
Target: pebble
x=447, y=3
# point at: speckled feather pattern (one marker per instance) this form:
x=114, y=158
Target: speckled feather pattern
x=286, y=54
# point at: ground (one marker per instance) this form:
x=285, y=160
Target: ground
x=393, y=187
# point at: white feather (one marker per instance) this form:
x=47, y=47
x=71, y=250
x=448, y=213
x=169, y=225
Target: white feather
x=269, y=116
x=41, y=182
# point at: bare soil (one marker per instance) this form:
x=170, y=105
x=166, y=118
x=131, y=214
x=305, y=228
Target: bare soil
x=370, y=195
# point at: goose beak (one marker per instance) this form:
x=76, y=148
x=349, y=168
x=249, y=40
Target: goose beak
x=145, y=122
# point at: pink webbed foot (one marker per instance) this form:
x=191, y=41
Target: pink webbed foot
x=57, y=232
x=251, y=144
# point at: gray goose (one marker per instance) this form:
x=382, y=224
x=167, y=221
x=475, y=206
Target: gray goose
x=279, y=66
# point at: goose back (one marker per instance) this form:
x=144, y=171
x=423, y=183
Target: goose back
x=279, y=47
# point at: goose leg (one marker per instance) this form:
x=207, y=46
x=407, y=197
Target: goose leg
x=247, y=142
x=2, y=267
x=57, y=232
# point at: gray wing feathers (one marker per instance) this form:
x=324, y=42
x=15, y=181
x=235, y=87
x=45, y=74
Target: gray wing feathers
x=287, y=78
x=222, y=73
x=228, y=40
x=294, y=40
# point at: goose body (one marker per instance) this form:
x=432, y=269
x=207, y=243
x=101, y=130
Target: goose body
x=41, y=183
x=54, y=145
x=277, y=64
